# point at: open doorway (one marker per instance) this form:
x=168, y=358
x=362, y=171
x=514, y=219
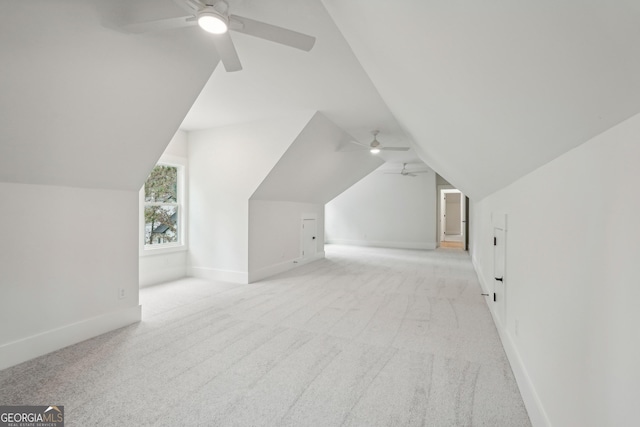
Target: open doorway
x=452, y=225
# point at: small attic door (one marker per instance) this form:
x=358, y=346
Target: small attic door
x=309, y=243
x=499, y=221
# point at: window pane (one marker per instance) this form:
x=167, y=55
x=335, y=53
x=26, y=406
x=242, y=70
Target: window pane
x=161, y=225
x=162, y=185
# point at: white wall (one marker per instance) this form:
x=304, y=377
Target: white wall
x=83, y=106
x=572, y=293
x=65, y=254
x=275, y=236
x=316, y=167
x=162, y=265
x=226, y=166
x=178, y=146
x=388, y=210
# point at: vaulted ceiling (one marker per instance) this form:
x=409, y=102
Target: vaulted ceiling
x=314, y=169
x=484, y=92
x=84, y=104
x=277, y=79
x=489, y=91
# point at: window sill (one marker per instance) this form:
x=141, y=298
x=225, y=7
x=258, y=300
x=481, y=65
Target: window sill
x=162, y=250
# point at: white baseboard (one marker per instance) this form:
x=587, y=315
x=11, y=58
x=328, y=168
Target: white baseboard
x=160, y=267
x=383, y=244
x=281, y=267
x=150, y=278
x=215, y=274
x=537, y=414
x=28, y=348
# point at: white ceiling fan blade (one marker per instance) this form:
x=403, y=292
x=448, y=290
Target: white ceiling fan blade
x=191, y=6
x=160, y=24
x=227, y=52
x=394, y=148
x=359, y=143
x=401, y=173
x=272, y=33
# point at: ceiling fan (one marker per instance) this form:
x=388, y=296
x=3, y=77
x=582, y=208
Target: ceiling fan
x=375, y=147
x=213, y=16
x=405, y=172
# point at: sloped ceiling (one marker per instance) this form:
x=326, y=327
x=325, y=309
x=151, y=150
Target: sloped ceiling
x=313, y=169
x=277, y=80
x=489, y=91
x=85, y=104
x=485, y=92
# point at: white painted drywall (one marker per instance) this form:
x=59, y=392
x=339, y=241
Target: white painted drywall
x=314, y=169
x=87, y=110
x=388, y=210
x=178, y=146
x=86, y=104
x=65, y=254
x=161, y=265
x=226, y=165
x=572, y=292
x=275, y=235
x=491, y=91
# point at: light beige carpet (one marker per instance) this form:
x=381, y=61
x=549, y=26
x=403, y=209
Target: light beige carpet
x=365, y=337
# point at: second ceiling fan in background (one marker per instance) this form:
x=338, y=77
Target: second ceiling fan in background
x=375, y=146
x=406, y=172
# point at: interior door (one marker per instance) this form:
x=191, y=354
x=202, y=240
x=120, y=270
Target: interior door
x=453, y=218
x=443, y=216
x=309, y=242
x=463, y=219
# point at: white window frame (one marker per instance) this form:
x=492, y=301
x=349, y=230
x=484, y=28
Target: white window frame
x=181, y=245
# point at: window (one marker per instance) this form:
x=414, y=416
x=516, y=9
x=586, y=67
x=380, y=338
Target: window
x=162, y=207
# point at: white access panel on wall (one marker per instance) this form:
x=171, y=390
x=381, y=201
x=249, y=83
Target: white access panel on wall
x=499, y=221
x=309, y=244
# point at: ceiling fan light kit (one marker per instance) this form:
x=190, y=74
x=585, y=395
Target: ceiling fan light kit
x=213, y=16
x=212, y=21
x=405, y=172
x=375, y=147
x=375, y=144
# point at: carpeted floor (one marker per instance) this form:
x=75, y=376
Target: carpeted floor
x=365, y=337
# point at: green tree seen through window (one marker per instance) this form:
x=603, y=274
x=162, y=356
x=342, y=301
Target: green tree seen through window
x=161, y=205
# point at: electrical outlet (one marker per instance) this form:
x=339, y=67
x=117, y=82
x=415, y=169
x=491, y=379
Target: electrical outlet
x=121, y=293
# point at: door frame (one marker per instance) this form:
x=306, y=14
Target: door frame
x=442, y=208
x=465, y=223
